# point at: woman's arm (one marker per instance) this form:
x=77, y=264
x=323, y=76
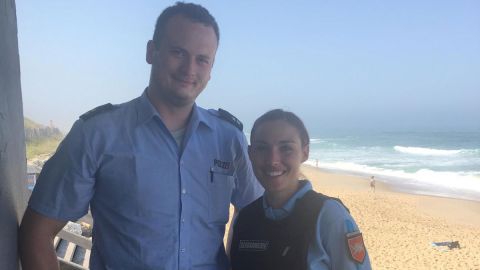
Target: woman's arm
x=330, y=249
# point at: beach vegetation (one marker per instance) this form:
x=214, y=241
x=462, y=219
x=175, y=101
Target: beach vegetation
x=40, y=140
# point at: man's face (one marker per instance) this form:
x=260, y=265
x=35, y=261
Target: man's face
x=181, y=62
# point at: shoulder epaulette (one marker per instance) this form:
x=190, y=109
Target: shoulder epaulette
x=98, y=110
x=230, y=118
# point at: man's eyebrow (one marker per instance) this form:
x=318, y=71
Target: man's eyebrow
x=176, y=47
x=204, y=56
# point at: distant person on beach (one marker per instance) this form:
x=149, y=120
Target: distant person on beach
x=291, y=226
x=158, y=172
x=372, y=183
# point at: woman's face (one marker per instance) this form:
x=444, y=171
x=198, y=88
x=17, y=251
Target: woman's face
x=276, y=152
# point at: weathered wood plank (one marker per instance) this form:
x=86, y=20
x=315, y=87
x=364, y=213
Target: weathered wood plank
x=70, y=250
x=55, y=242
x=86, y=260
x=66, y=265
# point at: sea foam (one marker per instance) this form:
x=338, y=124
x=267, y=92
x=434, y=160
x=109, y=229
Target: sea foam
x=425, y=151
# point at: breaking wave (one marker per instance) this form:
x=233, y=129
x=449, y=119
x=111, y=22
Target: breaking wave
x=425, y=151
x=459, y=184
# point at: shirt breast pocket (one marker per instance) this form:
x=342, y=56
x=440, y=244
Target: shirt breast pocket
x=220, y=187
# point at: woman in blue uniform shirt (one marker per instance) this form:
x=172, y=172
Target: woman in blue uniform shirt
x=291, y=226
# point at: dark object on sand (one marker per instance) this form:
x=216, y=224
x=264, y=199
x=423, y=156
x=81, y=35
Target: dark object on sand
x=449, y=244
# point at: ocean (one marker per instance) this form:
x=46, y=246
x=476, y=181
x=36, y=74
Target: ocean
x=432, y=163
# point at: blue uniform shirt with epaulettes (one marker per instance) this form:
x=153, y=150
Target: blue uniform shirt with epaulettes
x=155, y=204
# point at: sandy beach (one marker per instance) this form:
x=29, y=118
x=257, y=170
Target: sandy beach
x=399, y=228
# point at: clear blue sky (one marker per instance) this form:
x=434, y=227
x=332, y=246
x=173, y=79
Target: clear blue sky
x=340, y=65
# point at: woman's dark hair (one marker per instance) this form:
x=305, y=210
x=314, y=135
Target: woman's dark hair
x=193, y=12
x=289, y=117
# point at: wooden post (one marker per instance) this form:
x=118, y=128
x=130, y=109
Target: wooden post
x=12, y=139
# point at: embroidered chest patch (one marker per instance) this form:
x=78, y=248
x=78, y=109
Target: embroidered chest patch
x=222, y=164
x=253, y=245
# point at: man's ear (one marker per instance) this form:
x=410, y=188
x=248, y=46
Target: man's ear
x=209, y=74
x=151, y=51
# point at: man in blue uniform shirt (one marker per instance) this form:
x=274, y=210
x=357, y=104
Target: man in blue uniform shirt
x=158, y=172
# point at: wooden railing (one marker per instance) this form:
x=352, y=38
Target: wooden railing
x=73, y=251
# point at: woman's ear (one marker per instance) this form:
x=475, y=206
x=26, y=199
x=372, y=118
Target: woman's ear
x=305, y=152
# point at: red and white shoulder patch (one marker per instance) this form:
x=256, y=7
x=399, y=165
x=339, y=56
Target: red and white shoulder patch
x=356, y=247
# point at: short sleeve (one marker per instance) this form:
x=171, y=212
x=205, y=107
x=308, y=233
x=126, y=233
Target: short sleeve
x=66, y=183
x=330, y=250
x=247, y=188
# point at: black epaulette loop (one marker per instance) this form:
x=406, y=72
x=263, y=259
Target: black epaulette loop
x=230, y=118
x=98, y=110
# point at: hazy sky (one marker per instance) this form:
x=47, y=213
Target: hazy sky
x=340, y=65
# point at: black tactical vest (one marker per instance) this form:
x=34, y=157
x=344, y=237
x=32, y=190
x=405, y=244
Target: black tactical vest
x=264, y=244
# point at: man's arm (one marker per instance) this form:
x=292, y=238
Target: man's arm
x=36, y=241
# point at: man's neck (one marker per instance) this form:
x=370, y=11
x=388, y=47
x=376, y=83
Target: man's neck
x=174, y=117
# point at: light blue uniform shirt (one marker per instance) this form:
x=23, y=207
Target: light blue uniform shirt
x=329, y=249
x=155, y=205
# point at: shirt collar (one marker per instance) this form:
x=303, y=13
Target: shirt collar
x=287, y=208
x=200, y=115
x=146, y=111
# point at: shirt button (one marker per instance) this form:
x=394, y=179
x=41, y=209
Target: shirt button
x=183, y=220
x=184, y=191
x=182, y=250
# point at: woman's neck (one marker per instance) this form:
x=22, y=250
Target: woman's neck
x=278, y=199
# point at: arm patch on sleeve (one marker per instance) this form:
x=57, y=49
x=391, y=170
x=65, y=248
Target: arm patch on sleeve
x=98, y=110
x=230, y=118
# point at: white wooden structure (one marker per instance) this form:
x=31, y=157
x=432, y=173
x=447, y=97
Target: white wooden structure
x=73, y=251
